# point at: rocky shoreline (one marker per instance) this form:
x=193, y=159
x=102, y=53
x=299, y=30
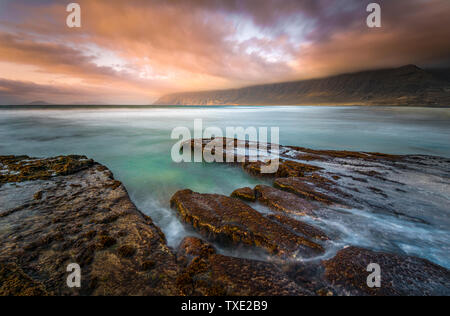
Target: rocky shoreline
x=70, y=209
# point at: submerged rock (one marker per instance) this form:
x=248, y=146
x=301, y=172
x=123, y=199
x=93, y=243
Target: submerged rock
x=400, y=275
x=231, y=221
x=84, y=217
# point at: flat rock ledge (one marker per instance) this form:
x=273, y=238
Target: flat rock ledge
x=83, y=217
x=231, y=221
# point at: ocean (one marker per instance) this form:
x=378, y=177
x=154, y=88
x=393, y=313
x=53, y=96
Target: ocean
x=135, y=144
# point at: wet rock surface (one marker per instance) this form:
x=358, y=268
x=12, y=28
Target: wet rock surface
x=231, y=221
x=24, y=168
x=14, y=282
x=191, y=247
x=324, y=184
x=85, y=217
x=299, y=227
x=283, y=202
x=209, y=273
x=303, y=190
x=400, y=275
x=246, y=194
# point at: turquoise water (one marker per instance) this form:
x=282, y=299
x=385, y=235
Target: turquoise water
x=135, y=144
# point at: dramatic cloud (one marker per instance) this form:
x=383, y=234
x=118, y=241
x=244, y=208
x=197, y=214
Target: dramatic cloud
x=134, y=51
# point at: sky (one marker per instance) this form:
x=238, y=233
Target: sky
x=134, y=51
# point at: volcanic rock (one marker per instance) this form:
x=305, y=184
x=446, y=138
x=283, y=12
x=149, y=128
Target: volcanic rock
x=400, y=275
x=303, y=190
x=283, y=202
x=212, y=274
x=246, y=194
x=82, y=216
x=231, y=221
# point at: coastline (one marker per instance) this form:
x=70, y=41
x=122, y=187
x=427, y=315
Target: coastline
x=73, y=210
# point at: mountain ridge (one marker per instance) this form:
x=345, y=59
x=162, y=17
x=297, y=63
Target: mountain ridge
x=39, y=102
x=407, y=85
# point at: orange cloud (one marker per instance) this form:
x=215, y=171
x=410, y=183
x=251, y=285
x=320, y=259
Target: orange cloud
x=134, y=51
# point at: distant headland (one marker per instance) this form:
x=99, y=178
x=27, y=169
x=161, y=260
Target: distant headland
x=405, y=86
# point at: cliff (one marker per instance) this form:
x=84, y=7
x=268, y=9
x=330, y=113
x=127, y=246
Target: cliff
x=406, y=86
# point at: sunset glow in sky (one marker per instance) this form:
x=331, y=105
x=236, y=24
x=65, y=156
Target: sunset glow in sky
x=132, y=52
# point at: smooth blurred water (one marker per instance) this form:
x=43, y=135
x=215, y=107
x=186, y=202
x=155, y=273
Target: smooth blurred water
x=135, y=144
